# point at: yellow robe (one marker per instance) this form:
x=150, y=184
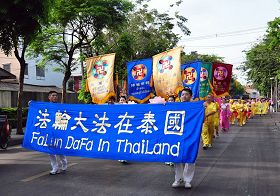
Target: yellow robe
x=233, y=111
x=217, y=118
x=209, y=124
x=254, y=109
x=265, y=107
x=240, y=108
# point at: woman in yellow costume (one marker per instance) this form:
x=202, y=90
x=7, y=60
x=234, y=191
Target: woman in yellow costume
x=245, y=111
x=208, y=125
x=240, y=109
x=265, y=107
x=260, y=107
x=232, y=105
x=216, y=119
x=253, y=107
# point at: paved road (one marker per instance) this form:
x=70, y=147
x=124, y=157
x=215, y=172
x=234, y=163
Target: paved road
x=245, y=161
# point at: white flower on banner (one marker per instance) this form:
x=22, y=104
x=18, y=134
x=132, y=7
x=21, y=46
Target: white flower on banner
x=102, y=125
x=148, y=123
x=61, y=120
x=79, y=123
x=174, y=122
x=126, y=125
x=43, y=121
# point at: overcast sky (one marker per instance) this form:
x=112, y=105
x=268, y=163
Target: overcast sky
x=224, y=27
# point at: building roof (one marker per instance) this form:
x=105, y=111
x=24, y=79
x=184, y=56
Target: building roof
x=6, y=75
x=9, y=86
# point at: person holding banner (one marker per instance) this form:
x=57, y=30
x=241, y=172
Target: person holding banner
x=122, y=101
x=184, y=172
x=56, y=169
x=171, y=98
x=209, y=122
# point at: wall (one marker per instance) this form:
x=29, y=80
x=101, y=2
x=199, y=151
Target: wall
x=15, y=68
x=51, y=77
x=5, y=99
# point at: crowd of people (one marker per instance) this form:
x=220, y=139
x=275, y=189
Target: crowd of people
x=220, y=113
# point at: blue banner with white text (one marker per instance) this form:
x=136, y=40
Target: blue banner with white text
x=191, y=76
x=136, y=132
x=139, y=77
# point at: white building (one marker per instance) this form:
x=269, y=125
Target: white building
x=33, y=74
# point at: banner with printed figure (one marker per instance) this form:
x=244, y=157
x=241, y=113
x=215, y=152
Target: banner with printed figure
x=100, y=77
x=221, y=74
x=167, y=73
x=205, y=80
x=139, y=80
x=191, y=76
x=149, y=133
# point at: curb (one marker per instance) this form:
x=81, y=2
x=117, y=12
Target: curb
x=15, y=141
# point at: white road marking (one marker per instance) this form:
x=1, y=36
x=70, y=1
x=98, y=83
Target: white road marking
x=42, y=174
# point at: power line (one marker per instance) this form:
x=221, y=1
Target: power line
x=222, y=46
x=227, y=34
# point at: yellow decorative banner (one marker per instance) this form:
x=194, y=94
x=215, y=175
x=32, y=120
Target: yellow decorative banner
x=167, y=72
x=100, y=77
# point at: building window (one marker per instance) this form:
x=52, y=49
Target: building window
x=40, y=73
x=7, y=67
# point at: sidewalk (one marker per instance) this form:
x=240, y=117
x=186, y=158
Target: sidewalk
x=276, y=118
x=16, y=139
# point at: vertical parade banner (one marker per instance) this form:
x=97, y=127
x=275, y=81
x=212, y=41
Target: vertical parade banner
x=139, y=80
x=100, y=77
x=221, y=74
x=205, y=80
x=167, y=72
x=191, y=76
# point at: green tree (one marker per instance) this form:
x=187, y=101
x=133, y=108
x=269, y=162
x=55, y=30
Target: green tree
x=261, y=64
x=274, y=33
x=146, y=33
x=20, y=21
x=236, y=89
x=263, y=59
x=76, y=24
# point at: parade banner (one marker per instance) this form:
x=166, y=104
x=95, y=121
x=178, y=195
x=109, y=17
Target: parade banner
x=205, y=80
x=100, y=77
x=221, y=74
x=191, y=77
x=148, y=133
x=139, y=80
x=167, y=73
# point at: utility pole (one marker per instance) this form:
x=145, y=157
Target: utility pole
x=271, y=91
x=276, y=94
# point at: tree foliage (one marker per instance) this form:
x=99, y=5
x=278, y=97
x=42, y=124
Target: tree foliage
x=76, y=24
x=236, y=89
x=20, y=22
x=274, y=33
x=146, y=33
x=263, y=59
